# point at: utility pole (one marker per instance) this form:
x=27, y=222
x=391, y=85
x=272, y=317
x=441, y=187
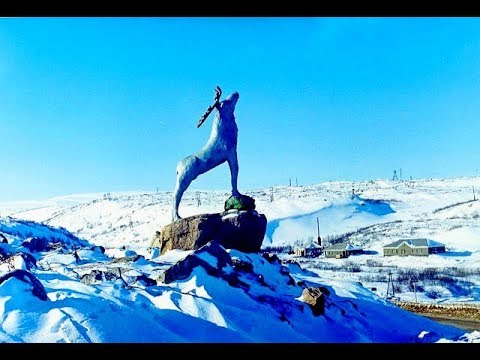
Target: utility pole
x=77, y=258
x=473, y=187
x=290, y=182
x=395, y=177
x=414, y=281
x=319, y=240
x=390, y=283
x=296, y=181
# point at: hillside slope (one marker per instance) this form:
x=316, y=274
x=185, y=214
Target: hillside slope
x=110, y=297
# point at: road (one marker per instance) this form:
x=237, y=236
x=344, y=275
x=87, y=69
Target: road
x=468, y=325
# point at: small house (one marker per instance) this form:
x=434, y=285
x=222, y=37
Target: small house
x=342, y=250
x=311, y=250
x=414, y=247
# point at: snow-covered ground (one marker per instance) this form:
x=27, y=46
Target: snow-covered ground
x=125, y=305
x=203, y=309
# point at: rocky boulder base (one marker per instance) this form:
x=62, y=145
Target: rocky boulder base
x=315, y=298
x=234, y=229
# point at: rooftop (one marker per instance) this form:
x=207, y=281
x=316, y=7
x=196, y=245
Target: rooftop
x=415, y=243
x=343, y=246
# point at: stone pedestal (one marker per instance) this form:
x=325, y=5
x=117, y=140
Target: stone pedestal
x=243, y=230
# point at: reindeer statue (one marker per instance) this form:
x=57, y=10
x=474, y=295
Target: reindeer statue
x=220, y=147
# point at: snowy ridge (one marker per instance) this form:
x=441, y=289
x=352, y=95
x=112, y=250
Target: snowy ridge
x=118, y=218
x=266, y=306
x=121, y=304
x=24, y=229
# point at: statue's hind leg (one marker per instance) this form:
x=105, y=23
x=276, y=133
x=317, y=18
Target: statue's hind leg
x=187, y=171
x=177, y=197
x=233, y=164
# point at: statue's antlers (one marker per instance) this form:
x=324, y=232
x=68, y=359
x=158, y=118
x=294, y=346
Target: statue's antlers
x=218, y=93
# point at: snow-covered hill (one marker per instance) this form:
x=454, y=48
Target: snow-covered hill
x=439, y=208
x=93, y=296
x=380, y=212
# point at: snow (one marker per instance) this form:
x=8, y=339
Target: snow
x=352, y=247
x=433, y=243
x=203, y=308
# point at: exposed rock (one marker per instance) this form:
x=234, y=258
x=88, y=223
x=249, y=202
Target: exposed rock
x=271, y=257
x=244, y=232
x=98, y=275
x=234, y=281
x=97, y=248
x=3, y=239
x=292, y=262
x=261, y=280
x=324, y=290
x=36, y=244
x=3, y=254
x=145, y=280
x=127, y=259
x=315, y=299
x=240, y=265
x=92, y=277
x=249, y=272
x=37, y=288
x=242, y=202
x=216, y=261
x=56, y=246
x=182, y=269
x=241, y=230
x=19, y=260
x=190, y=233
x=112, y=274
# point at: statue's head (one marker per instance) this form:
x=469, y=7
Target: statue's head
x=228, y=104
x=224, y=107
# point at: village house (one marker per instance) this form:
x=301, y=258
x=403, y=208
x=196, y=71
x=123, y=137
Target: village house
x=311, y=250
x=414, y=247
x=342, y=250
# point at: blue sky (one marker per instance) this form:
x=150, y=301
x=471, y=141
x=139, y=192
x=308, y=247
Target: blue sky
x=111, y=104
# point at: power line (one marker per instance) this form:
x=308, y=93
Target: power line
x=390, y=286
x=395, y=177
x=319, y=239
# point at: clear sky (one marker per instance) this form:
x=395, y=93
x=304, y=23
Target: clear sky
x=111, y=104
